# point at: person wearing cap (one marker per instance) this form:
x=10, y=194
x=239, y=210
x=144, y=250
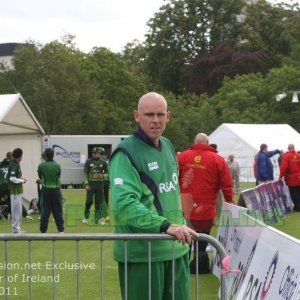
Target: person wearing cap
x=95, y=179
x=264, y=166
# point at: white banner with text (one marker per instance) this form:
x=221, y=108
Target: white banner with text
x=267, y=258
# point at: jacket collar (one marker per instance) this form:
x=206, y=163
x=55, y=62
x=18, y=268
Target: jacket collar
x=141, y=135
x=203, y=147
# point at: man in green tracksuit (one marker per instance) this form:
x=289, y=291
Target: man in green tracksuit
x=4, y=192
x=51, y=201
x=15, y=187
x=95, y=179
x=145, y=199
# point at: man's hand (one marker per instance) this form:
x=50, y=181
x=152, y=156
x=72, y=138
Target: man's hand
x=182, y=232
x=87, y=187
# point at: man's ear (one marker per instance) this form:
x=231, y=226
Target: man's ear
x=136, y=116
x=168, y=116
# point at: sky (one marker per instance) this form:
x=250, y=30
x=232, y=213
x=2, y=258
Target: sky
x=95, y=23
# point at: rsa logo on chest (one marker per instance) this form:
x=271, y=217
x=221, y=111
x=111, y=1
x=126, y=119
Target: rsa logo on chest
x=165, y=187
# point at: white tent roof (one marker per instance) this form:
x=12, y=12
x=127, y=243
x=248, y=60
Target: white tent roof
x=16, y=117
x=276, y=136
x=244, y=140
x=20, y=128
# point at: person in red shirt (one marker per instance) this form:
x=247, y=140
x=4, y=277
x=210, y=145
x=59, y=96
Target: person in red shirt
x=202, y=173
x=290, y=171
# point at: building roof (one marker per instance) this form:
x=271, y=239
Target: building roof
x=7, y=49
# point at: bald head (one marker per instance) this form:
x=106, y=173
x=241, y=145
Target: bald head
x=152, y=97
x=152, y=115
x=201, y=138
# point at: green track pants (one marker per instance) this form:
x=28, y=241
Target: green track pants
x=161, y=280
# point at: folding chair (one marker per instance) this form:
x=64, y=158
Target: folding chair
x=3, y=207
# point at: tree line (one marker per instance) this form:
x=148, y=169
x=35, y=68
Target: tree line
x=216, y=61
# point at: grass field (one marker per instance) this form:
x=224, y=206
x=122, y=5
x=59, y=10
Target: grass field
x=66, y=286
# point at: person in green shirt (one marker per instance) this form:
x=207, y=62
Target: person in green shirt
x=15, y=187
x=4, y=191
x=95, y=181
x=146, y=199
x=51, y=201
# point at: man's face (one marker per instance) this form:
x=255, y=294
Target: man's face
x=95, y=155
x=152, y=118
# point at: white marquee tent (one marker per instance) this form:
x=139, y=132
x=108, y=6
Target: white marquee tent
x=20, y=129
x=244, y=140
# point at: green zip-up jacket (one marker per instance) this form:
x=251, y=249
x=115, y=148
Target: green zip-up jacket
x=49, y=173
x=95, y=170
x=145, y=194
x=4, y=173
x=14, y=170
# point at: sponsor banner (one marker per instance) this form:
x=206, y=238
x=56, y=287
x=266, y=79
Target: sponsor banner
x=283, y=194
x=267, y=258
x=239, y=234
x=274, y=272
x=268, y=201
x=252, y=202
x=266, y=206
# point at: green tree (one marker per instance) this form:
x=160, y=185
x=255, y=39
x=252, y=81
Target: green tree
x=181, y=30
x=284, y=80
x=121, y=88
x=252, y=98
x=54, y=82
x=71, y=92
x=134, y=54
x=190, y=115
x=271, y=29
x=208, y=70
x=241, y=100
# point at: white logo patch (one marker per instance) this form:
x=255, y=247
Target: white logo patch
x=169, y=186
x=118, y=181
x=166, y=187
x=153, y=166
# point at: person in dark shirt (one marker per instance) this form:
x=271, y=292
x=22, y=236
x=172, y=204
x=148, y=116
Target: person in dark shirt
x=4, y=192
x=95, y=180
x=264, y=166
